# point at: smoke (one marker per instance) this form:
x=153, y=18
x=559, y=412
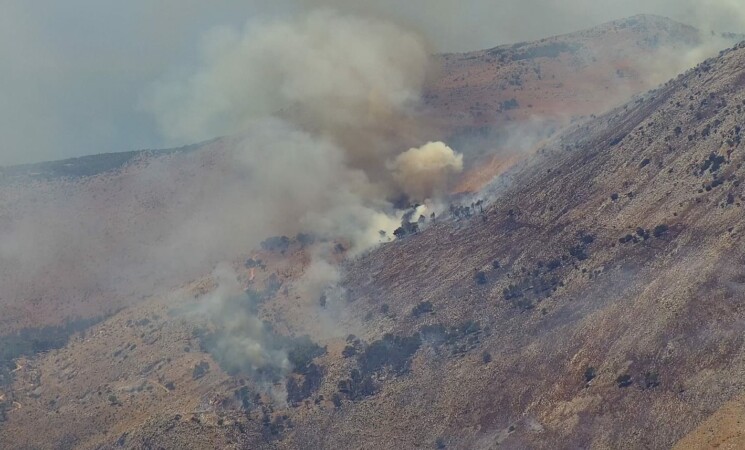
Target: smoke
x=422, y=172
x=73, y=68
x=319, y=107
x=315, y=106
x=451, y=27
x=321, y=102
x=327, y=73
x=244, y=343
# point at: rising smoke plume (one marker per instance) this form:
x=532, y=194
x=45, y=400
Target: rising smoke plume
x=244, y=343
x=318, y=108
x=344, y=90
x=313, y=108
x=421, y=172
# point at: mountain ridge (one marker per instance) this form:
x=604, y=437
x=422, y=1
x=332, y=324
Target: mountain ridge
x=594, y=303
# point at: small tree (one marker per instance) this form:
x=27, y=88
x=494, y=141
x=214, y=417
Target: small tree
x=480, y=277
x=200, y=370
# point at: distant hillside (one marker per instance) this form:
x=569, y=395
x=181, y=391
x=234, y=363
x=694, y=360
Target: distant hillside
x=505, y=100
x=589, y=297
x=84, y=166
x=595, y=303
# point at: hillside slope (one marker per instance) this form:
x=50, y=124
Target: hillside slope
x=505, y=100
x=593, y=300
x=595, y=303
x=142, y=194
x=606, y=280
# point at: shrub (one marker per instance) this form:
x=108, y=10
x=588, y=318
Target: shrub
x=272, y=286
x=651, y=380
x=422, y=308
x=357, y=386
x=311, y=381
x=512, y=292
x=251, y=263
x=480, y=277
x=509, y=104
x=302, y=353
x=713, y=163
x=392, y=352
x=349, y=351
x=243, y=395
x=624, y=381
x=642, y=233
x=276, y=244
x=200, y=370
x=578, y=251
x=590, y=374
x=305, y=239
x=659, y=230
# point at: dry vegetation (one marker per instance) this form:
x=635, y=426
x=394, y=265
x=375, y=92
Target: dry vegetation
x=594, y=302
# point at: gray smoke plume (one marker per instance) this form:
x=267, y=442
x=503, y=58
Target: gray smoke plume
x=321, y=103
x=72, y=69
x=321, y=110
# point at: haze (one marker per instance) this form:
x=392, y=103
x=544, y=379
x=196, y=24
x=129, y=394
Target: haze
x=74, y=74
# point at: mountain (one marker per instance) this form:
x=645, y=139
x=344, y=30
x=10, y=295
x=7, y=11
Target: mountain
x=589, y=297
x=504, y=101
x=125, y=187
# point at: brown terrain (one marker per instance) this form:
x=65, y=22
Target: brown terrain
x=591, y=299
x=498, y=100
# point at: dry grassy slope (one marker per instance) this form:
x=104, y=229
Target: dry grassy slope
x=668, y=305
x=82, y=241
x=552, y=81
x=135, y=205
x=63, y=398
x=559, y=77
x=666, y=311
x=724, y=430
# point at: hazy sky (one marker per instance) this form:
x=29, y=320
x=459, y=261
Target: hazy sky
x=73, y=74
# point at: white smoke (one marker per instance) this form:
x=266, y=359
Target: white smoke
x=319, y=109
x=321, y=103
x=328, y=71
x=244, y=341
x=424, y=171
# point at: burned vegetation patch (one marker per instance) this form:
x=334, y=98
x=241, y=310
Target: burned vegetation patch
x=236, y=327
x=456, y=340
x=541, y=281
x=389, y=356
x=531, y=290
x=712, y=164
x=642, y=234
x=31, y=341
